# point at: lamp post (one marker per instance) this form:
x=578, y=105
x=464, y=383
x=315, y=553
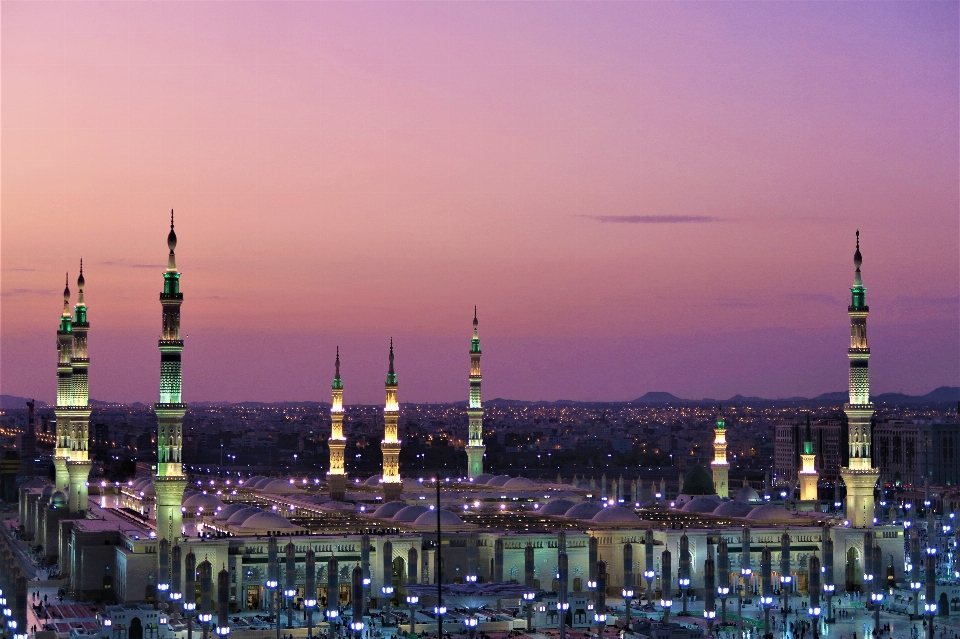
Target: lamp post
x=723, y=578
x=273, y=573
x=206, y=597
x=829, y=587
x=387, y=588
x=914, y=568
x=930, y=605
x=593, y=553
x=176, y=593
x=309, y=603
x=867, y=564
x=814, y=589
x=562, y=604
x=290, y=583
x=766, y=592
x=709, y=596
x=684, y=572
x=877, y=595
x=529, y=597
x=785, y=577
x=223, y=603
x=627, y=592
x=333, y=595
x=600, y=616
x=471, y=625
x=412, y=601
x=648, y=573
x=272, y=595
x=666, y=585
x=357, y=595
x=745, y=573
x=310, y=588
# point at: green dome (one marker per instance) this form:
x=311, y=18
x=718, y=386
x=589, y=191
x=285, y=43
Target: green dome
x=58, y=500
x=698, y=482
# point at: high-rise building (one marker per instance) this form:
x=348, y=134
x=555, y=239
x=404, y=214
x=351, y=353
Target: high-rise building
x=79, y=464
x=170, y=481
x=829, y=447
x=808, y=468
x=911, y=451
x=390, y=446
x=336, y=476
x=720, y=466
x=859, y=475
x=475, y=447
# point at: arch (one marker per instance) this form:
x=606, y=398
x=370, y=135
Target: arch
x=399, y=581
x=943, y=606
x=853, y=573
x=136, y=629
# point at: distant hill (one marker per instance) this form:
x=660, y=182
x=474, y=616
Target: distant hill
x=660, y=397
x=942, y=395
x=12, y=402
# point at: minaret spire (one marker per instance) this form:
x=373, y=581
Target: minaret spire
x=390, y=446
x=170, y=480
x=336, y=476
x=475, y=447
x=79, y=464
x=61, y=452
x=860, y=476
x=720, y=466
x=808, y=466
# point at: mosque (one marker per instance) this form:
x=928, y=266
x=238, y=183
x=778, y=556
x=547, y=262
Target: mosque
x=140, y=545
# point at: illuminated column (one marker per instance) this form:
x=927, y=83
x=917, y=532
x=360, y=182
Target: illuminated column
x=475, y=445
x=78, y=465
x=336, y=476
x=170, y=481
x=860, y=476
x=390, y=446
x=720, y=466
x=808, y=468
x=64, y=393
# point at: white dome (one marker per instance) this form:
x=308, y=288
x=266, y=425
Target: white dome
x=429, y=519
x=266, y=520
x=521, y=483
x=242, y=515
x=499, y=481
x=206, y=501
x=770, y=512
x=616, y=515
x=558, y=507
x=583, y=510
x=482, y=478
x=748, y=494
x=390, y=509
x=410, y=513
x=278, y=487
x=227, y=511
x=733, y=509
x=260, y=483
x=250, y=481
x=702, y=504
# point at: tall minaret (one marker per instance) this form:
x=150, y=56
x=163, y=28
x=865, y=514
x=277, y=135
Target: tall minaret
x=64, y=393
x=170, y=481
x=721, y=467
x=475, y=445
x=860, y=476
x=808, y=467
x=390, y=446
x=336, y=476
x=78, y=466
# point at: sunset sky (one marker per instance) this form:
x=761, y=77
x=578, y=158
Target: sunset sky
x=645, y=196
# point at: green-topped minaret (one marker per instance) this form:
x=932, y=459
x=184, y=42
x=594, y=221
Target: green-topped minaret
x=390, y=446
x=79, y=464
x=170, y=481
x=336, y=476
x=808, y=466
x=475, y=447
x=61, y=453
x=859, y=476
x=720, y=466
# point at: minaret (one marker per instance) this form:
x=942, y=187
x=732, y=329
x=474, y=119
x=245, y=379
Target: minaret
x=860, y=476
x=475, y=445
x=170, y=481
x=336, y=476
x=78, y=466
x=808, y=468
x=64, y=393
x=721, y=467
x=390, y=445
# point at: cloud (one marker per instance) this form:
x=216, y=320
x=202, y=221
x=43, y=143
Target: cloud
x=21, y=292
x=130, y=265
x=653, y=219
x=25, y=270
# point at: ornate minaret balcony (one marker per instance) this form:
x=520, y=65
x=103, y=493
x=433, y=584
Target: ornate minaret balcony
x=62, y=447
x=336, y=476
x=720, y=466
x=79, y=464
x=475, y=447
x=390, y=446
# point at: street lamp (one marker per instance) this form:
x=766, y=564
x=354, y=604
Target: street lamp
x=310, y=604
x=412, y=601
x=387, y=593
x=627, y=595
x=471, y=625
x=357, y=627
x=529, y=597
x=332, y=616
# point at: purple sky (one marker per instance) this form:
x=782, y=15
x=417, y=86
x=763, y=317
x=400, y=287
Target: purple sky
x=638, y=196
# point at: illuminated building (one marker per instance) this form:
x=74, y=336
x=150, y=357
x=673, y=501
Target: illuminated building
x=79, y=464
x=336, y=476
x=64, y=393
x=475, y=447
x=859, y=476
x=170, y=481
x=390, y=445
x=808, y=470
x=721, y=468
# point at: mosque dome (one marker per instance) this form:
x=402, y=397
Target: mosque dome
x=702, y=504
x=47, y=490
x=733, y=509
x=242, y=515
x=372, y=481
x=583, y=510
x=499, y=481
x=770, y=513
x=279, y=487
x=409, y=514
x=429, y=518
x=266, y=520
x=521, y=483
x=482, y=478
x=747, y=494
x=557, y=507
x=390, y=509
x=58, y=499
x=616, y=515
x=202, y=502
x=227, y=511
x=698, y=482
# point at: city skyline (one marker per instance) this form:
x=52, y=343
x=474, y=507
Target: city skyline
x=703, y=251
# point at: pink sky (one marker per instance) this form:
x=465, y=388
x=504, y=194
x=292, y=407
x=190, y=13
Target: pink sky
x=347, y=172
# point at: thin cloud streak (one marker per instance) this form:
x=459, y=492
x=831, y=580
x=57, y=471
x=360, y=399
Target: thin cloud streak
x=653, y=219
